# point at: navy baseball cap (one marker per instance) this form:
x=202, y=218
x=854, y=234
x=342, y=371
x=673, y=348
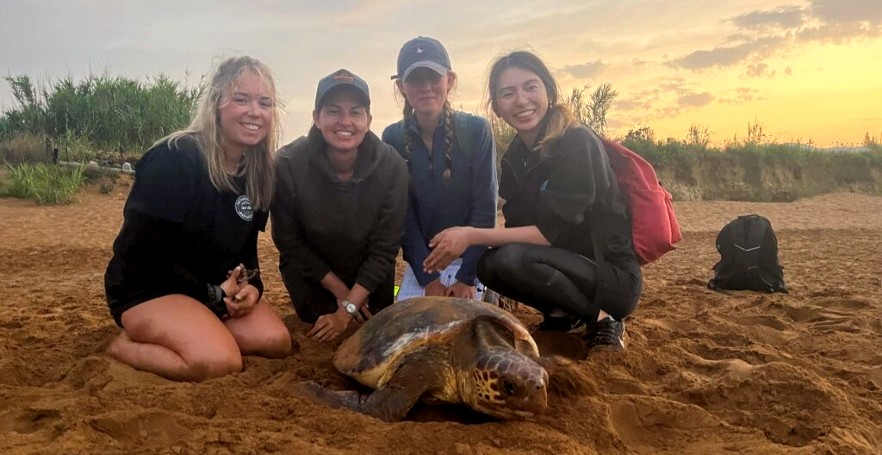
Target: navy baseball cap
x=422, y=52
x=341, y=78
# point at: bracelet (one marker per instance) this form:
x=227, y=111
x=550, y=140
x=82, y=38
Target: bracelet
x=216, y=294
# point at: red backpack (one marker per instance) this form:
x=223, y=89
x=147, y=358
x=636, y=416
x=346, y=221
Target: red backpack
x=654, y=225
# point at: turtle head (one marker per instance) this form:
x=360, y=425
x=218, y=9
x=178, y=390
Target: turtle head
x=506, y=384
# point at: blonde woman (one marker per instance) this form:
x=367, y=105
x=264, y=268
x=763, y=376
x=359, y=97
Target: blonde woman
x=182, y=282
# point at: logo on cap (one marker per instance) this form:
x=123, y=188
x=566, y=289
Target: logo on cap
x=419, y=50
x=343, y=77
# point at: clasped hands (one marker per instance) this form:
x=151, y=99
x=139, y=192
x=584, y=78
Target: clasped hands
x=241, y=295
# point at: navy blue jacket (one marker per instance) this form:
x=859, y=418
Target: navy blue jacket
x=467, y=199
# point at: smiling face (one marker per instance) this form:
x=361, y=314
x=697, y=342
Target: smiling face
x=521, y=99
x=426, y=90
x=245, y=112
x=343, y=118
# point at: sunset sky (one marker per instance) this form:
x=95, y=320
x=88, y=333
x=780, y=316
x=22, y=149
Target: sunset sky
x=806, y=70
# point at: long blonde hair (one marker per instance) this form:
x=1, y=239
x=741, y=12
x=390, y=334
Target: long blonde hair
x=205, y=128
x=558, y=118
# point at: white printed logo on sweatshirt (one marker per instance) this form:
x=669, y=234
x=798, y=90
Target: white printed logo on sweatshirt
x=243, y=208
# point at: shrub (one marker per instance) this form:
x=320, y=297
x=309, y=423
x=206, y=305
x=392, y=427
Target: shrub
x=111, y=114
x=45, y=184
x=24, y=148
x=77, y=149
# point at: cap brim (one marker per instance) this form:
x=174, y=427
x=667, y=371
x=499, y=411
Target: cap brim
x=365, y=97
x=436, y=67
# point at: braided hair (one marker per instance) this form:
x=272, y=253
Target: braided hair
x=449, y=137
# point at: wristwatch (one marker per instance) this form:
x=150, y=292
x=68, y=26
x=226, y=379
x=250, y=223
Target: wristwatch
x=350, y=308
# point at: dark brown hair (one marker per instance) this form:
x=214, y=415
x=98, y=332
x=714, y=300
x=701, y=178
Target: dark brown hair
x=558, y=118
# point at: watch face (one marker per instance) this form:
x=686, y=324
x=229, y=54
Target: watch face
x=351, y=308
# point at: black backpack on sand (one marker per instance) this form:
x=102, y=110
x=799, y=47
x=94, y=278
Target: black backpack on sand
x=748, y=251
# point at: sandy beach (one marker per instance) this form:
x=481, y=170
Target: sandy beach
x=705, y=372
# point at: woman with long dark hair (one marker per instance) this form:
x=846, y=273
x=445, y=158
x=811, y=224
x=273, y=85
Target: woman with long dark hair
x=566, y=248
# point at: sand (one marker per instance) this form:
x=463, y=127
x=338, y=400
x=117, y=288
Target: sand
x=705, y=372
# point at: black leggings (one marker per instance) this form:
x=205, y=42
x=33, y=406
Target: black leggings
x=546, y=278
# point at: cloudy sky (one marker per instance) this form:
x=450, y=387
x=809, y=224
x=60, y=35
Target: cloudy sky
x=804, y=70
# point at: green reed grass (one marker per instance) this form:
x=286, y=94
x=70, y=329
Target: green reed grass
x=45, y=184
x=104, y=115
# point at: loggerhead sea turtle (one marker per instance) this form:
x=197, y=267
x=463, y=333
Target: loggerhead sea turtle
x=441, y=349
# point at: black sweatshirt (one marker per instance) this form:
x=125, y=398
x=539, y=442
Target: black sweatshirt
x=322, y=224
x=179, y=233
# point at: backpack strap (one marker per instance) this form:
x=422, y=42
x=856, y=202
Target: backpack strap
x=747, y=237
x=396, y=138
x=462, y=131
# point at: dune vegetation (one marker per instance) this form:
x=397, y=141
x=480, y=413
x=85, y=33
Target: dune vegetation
x=109, y=120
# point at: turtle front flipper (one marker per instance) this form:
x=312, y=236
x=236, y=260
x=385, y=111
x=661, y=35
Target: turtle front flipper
x=334, y=398
x=393, y=400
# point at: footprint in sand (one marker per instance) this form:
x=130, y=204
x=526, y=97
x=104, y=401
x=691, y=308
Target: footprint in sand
x=769, y=330
x=158, y=427
x=645, y=423
x=28, y=420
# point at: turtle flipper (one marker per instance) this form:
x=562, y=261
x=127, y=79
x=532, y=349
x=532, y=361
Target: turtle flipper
x=334, y=398
x=390, y=404
x=393, y=402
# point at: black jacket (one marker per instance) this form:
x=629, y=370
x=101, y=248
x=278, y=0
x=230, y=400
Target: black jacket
x=569, y=196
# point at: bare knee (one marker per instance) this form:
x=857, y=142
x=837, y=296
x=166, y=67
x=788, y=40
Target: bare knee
x=277, y=345
x=213, y=365
x=273, y=344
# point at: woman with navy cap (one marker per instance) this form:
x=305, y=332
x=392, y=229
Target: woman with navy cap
x=338, y=211
x=452, y=163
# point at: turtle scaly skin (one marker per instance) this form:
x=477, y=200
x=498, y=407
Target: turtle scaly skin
x=500, y=377
x=441, y=349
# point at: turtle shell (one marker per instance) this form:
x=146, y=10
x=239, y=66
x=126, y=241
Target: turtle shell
x=372, y=354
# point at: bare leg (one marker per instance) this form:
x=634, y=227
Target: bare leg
x=261, y=332
x=178, y=338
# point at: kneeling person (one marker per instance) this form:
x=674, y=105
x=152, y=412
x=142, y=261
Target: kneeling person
x=338, y=214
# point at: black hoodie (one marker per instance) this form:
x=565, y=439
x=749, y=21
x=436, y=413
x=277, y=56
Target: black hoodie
x=322, y=224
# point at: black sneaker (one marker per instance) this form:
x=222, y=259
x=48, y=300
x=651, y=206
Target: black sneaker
x=560, y=324
x=607, y=334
